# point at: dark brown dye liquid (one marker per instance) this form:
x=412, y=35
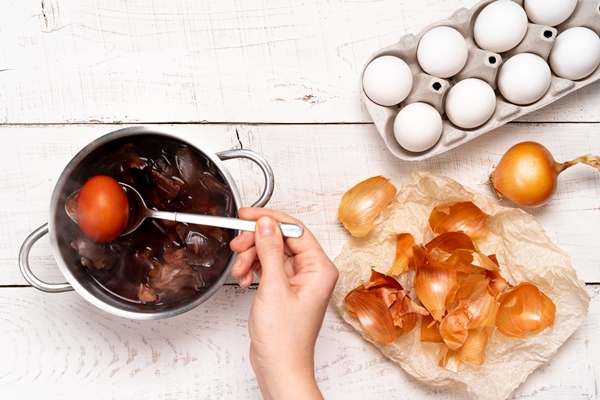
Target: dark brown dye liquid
x=162, y=261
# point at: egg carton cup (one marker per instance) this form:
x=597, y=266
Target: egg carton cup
x=481, y=64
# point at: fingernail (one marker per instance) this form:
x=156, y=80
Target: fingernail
x=265, y=226
x=245, y=282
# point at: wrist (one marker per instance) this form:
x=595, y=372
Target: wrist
x=289, y=379
x=291, y=385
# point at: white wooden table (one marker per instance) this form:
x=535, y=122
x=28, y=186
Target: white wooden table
x=280, y=78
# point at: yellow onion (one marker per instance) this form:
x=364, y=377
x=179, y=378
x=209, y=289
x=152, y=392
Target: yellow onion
x=404, y=254
x=363, y=203
x=527, y=173
x=459, y=217
x=524, y=309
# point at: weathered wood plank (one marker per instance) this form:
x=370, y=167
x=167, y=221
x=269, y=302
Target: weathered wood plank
x=59, y=346
x=280, y=78
x=314, y=165
x=69, y=61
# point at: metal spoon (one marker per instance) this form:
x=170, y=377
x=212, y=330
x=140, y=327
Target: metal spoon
x=143, y=212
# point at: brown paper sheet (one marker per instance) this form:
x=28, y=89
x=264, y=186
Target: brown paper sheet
x=525, y=254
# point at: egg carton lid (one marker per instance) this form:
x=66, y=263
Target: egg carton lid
x=481, y=64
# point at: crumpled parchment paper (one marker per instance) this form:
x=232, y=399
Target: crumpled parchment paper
x=524, y=252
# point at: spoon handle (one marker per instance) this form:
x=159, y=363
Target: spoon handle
x=288, y=230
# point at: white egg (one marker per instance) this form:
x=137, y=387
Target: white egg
x=387, y=80
x=470, y=103
x=500, y=26
x=549, y=12
x=417, y=127
x=442, y=52
x=524, y=78
x=575, y=53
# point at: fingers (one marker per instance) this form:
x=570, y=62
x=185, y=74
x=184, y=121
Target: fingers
x=243, y=242
x=257, y=249
x=266, y=245
x=245, y=280
x=244, y=267
x=269, y=249
x=306, y=242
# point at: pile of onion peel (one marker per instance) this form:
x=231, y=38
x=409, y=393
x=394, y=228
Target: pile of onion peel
x=527, y=173
x=385, y=310
x=464, y=296
x=363, y=203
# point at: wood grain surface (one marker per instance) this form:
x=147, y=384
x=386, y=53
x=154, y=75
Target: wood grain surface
x=104, y=61
x=59, y=346
x=277, y=77
x=313, y=166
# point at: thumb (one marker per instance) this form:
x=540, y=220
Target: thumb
x=269, y=248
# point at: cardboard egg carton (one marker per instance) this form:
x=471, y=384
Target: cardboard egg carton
x=480, y=64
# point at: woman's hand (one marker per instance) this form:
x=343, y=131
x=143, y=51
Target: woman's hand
x=296, y=282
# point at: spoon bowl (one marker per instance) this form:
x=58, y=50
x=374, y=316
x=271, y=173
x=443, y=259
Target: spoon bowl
x=142, y=212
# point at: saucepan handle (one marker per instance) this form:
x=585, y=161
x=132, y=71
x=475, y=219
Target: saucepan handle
x=26, y=270
x=264, y=166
